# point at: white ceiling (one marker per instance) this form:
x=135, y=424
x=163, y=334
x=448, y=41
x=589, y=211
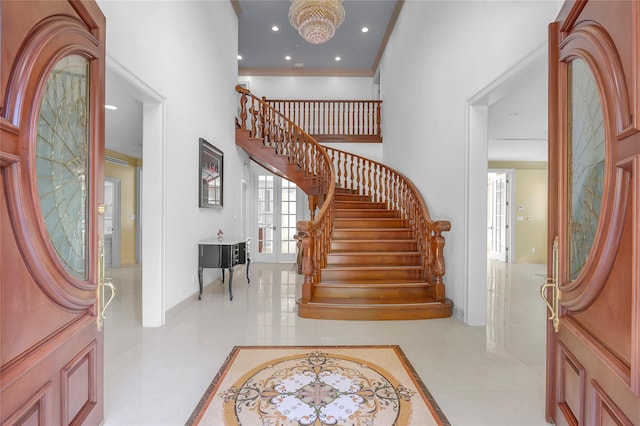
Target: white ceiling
x=517, y=128
x=123, y=127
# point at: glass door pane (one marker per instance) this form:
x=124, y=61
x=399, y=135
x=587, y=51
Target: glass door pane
x=585, y=165
x=289, y=218
x=265, y=214
x=62, y=161
x=277, y=212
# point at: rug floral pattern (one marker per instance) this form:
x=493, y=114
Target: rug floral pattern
x=318, y=386
x=317, y=389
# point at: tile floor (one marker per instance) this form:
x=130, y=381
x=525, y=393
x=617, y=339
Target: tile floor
x=491, y=375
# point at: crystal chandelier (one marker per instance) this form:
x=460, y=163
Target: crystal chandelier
x=316, y=20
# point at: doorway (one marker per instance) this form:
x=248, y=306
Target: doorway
x=499, y=218
x=112, y=217
x=517, y=101
x=151, y=230
x=277, y=211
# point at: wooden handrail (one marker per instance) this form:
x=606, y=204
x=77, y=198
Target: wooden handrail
x=334, y=120
x=384, y=184
x=287, y=139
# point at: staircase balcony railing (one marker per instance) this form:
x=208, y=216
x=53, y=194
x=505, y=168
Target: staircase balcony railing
x=287, y=139
x=384, y=184
x=334, y=120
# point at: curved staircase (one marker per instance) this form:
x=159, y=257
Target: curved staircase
x=371, y=252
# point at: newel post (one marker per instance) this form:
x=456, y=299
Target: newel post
x=437, y=248
x=305, y=236
x=243, y=107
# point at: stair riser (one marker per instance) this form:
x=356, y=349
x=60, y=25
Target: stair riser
x=374, y=259
x=358, y=205
x=371, y=234
x=370, y=223
x=364, y=213
x=346, y=275
x=352, y=197
x=371, y=295
x=375, y=246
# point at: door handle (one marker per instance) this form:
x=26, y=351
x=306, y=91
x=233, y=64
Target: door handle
x=102, y=284
x=552, y=283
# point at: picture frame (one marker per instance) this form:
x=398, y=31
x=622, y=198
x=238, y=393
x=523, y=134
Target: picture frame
x=210, y=176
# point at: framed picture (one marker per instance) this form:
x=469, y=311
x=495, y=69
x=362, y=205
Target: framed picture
x=211, y=167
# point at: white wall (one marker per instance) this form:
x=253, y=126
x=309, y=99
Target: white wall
x=311, y=87
x=329, y=88
x=182, y=50
x=441, y=54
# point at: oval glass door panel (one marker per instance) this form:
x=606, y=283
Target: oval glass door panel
x=586, y=164
x=62, y=147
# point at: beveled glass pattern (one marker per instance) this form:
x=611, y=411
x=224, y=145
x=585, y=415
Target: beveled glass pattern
x=62, y=149
x=586, y=164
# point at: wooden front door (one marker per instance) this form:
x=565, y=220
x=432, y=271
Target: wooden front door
x=593, y=351
x=51, y=163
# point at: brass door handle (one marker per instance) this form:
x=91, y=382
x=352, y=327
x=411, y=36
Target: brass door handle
x=552, y=283
x=102, y=283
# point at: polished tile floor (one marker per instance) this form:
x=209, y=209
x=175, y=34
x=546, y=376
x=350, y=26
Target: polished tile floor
x=491, y=375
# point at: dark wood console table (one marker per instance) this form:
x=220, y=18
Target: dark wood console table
x=227, y=253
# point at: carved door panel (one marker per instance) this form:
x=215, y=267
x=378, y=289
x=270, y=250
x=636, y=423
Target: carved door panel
x=51, y=163
x=593, y=290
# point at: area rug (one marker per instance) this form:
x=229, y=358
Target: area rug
x=317, y=385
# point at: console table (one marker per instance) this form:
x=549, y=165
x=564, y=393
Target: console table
x=228, y=253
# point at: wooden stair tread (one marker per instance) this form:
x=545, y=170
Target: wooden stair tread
x=375, y=283
x=371, y=267
x=374, y=253
x=413, y=301
x=380, y=230
x=375, y=311
x=396, y=240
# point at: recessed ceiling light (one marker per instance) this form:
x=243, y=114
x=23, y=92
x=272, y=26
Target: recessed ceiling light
x=513, y=114
x=239, y=57
x=111, y=107
x=364, y=29
x=338, y=58
x=275, y=28
x=288, y=58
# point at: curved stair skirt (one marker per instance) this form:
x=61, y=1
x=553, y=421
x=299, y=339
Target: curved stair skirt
x=375, y=312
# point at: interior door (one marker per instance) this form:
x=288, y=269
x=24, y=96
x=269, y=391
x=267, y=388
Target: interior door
x=593, y=290
x=111, y=218
x=498, y=216
x=277, y=211
x=51, y=162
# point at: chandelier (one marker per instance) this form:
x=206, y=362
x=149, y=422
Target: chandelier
x=316, y=20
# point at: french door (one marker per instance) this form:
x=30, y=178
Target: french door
x=278, y=209
x=51, y=244
x=498, y=215
x=593, y=289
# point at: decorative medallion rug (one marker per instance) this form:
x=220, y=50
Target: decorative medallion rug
x=317, y=385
